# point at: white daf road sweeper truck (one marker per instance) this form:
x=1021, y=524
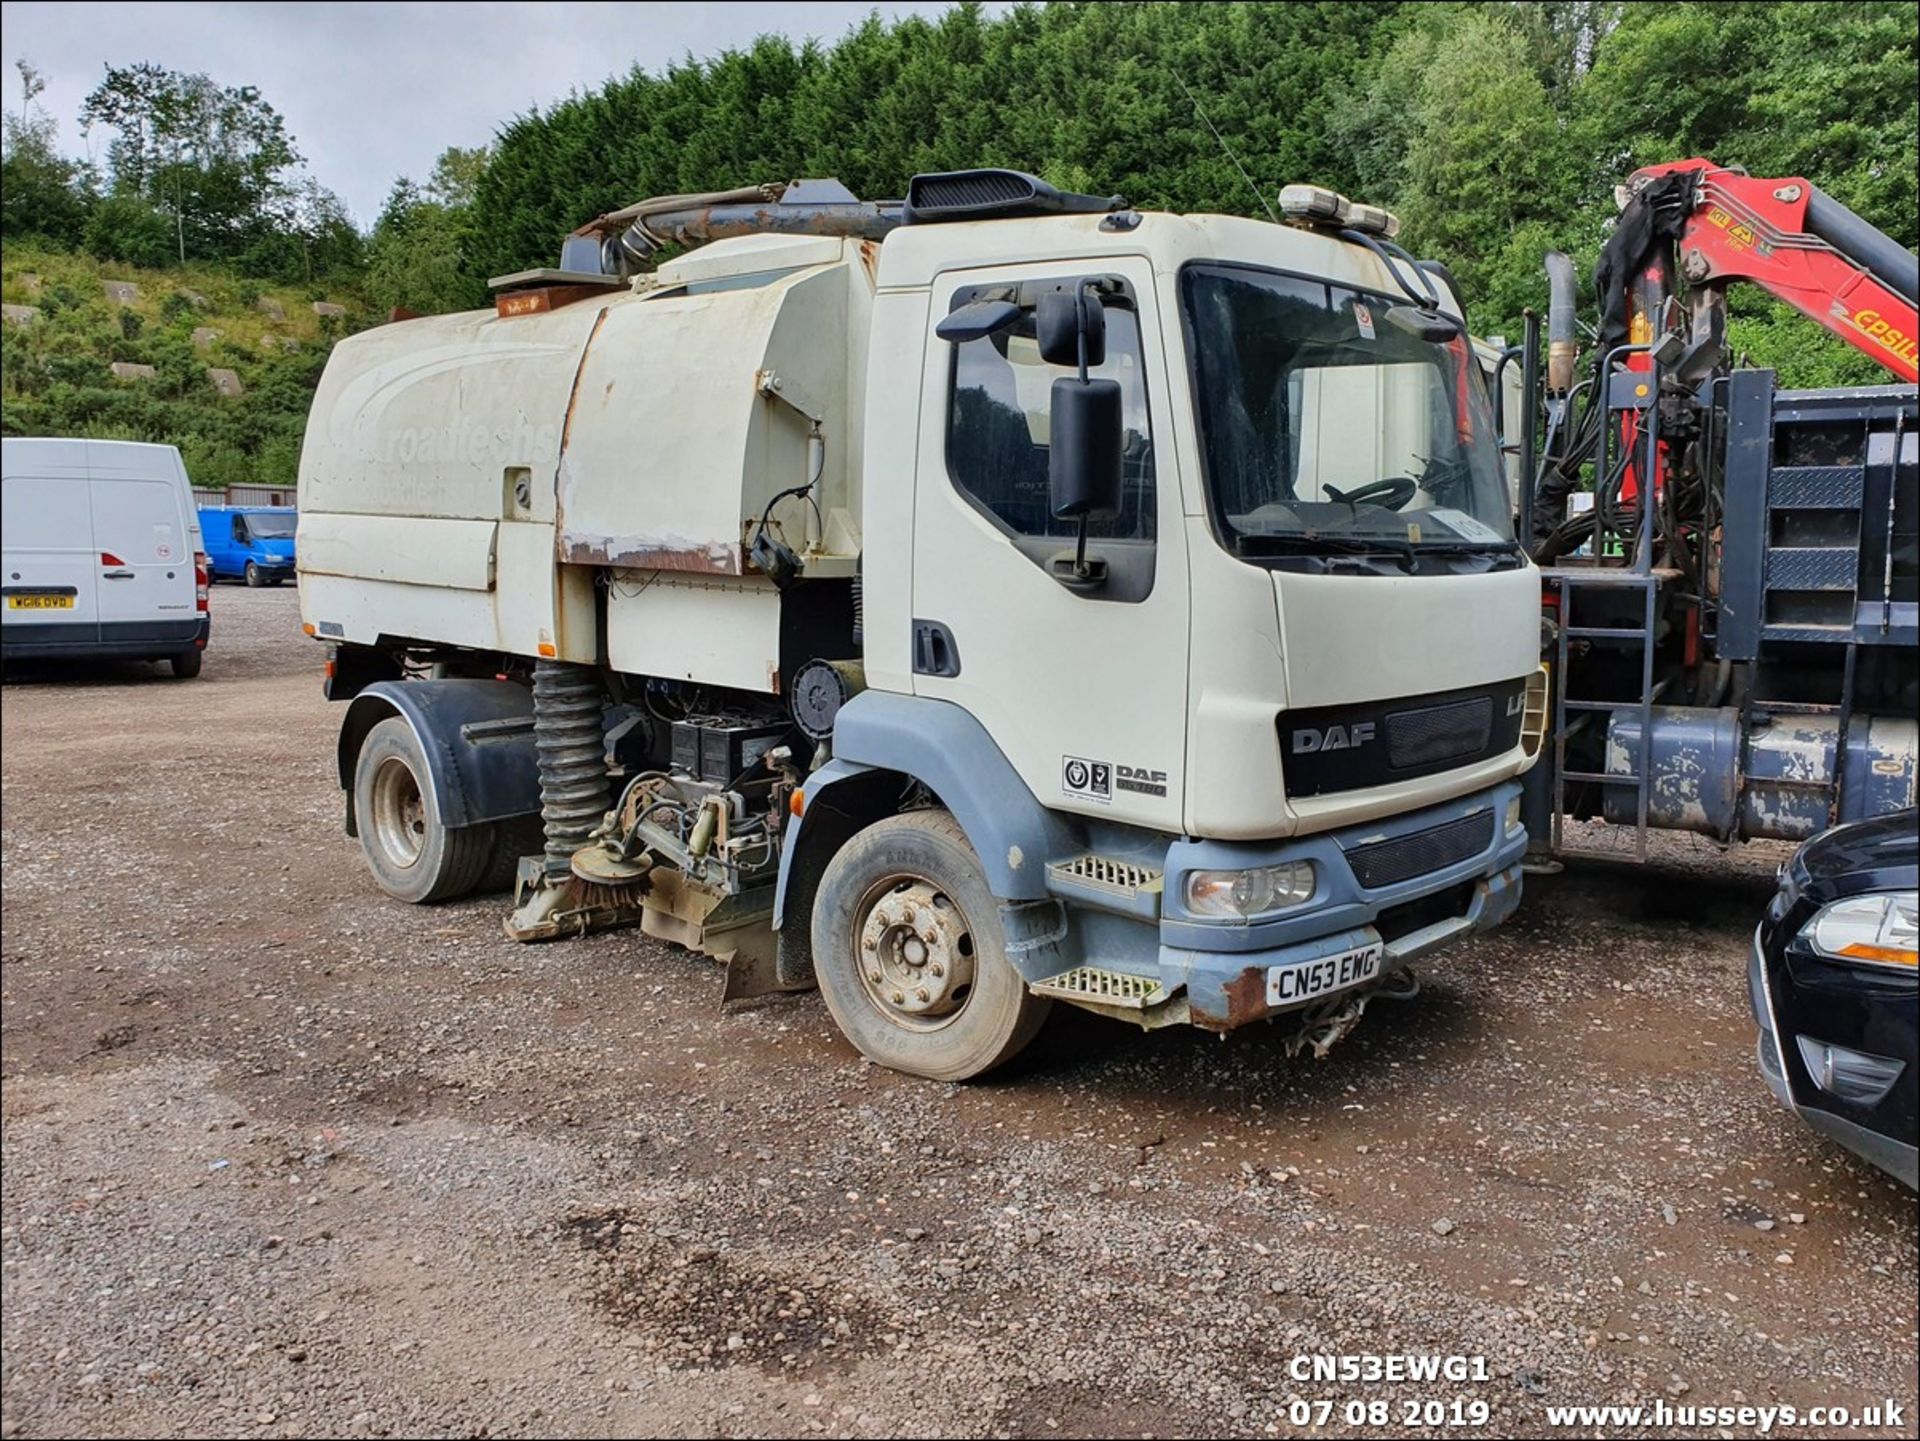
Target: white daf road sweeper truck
x=966, y=603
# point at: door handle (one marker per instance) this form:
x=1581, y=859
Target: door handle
x=116, y=575
x=934, y=650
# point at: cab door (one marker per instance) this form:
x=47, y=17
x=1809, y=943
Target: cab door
x=1082, y=687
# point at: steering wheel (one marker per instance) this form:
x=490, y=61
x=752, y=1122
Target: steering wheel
x=1388, y=494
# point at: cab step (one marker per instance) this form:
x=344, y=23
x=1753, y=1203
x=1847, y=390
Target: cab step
x=1108, y=884
x=1090, y=985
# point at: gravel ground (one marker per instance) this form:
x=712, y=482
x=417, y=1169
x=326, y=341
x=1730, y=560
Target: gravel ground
x=286, y=1158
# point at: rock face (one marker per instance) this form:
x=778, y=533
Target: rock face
x=225, y=381
x=272, y=308
x=127, y=370
x=20, y=314
x=204, y=336
x=327, y=307
x=121, y=292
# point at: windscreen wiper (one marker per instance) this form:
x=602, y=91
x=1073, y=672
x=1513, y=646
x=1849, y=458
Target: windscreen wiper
x=1324, y=546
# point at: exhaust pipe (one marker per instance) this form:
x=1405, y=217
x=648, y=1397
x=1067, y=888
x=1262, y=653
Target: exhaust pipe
x=1562, y=306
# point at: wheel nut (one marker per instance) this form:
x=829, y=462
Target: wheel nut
x=898, y=999
x=868, y=942
x=938, y=970
x=929, y=937
x=921, y=995
x=874, y=976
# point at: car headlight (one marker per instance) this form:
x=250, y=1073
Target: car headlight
x=1876, y=930
x=1513, y=814
x=1240, y=894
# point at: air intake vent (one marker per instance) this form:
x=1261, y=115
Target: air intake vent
x=1387, y=863
x=1439, y=733
x=994, y=195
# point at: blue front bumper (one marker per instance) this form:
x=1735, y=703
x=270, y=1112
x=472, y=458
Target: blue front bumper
x=1224, y=965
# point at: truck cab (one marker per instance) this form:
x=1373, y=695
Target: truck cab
x=1126, y=604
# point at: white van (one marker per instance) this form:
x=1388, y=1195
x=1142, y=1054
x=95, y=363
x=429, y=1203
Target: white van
x=100, y=553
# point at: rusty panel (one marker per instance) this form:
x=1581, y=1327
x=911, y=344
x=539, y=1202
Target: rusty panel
x=640, y=553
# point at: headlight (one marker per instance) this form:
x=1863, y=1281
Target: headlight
x=1877, y=930
x=1240, y=894
x=1513, y=814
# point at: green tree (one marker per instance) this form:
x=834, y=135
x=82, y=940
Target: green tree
x=215, y=158
x=41, y=192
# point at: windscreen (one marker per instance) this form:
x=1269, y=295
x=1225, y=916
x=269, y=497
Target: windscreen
x=271, y=527
x=1326, y=427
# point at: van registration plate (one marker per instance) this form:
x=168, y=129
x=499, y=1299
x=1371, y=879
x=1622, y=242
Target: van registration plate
x=39, y=602
x=1310, y=980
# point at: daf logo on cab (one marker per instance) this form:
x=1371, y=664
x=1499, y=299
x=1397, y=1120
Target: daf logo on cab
x=1333, y=738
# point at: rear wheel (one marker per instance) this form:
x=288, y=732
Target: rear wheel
x=186, y=664
x=413, y=856
x=254, y=578
x=910, y=956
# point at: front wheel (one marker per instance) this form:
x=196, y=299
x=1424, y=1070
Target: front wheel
x=254, y=579
x=910, y=956
x=412, y=855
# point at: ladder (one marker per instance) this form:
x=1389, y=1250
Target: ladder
x=1573, y=580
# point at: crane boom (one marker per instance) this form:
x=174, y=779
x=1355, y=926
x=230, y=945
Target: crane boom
x=1804, y=247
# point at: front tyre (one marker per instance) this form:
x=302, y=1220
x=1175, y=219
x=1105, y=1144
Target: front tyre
x=412, y=855
x=910, y=956
x=254, y=578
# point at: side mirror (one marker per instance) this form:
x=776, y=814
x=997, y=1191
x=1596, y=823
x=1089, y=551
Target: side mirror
x=1084, y=475
x=1057, y=325
x=977, y=321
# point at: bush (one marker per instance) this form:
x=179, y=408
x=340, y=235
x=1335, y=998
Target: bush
x=123, y=228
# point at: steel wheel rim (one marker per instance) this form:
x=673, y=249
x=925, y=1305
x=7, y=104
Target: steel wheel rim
x=399, y=812
x=915, y=952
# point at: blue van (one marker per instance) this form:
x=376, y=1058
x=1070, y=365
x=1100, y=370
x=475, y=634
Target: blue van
x=253, y=543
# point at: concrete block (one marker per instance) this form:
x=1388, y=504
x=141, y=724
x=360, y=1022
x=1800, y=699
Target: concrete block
x=127, y=370
x=225, y=381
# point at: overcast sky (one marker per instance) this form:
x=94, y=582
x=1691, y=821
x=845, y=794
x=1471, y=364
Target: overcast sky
x=375, y=91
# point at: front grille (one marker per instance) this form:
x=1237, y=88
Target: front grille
x=1387, y=863
x=1439, y=732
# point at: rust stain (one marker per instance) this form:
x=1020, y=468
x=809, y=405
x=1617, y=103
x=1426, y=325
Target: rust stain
x=719, y=559
x=870, y=259
x=1246, y=1001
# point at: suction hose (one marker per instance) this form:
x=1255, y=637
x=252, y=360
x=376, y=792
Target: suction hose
x=575, y=791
